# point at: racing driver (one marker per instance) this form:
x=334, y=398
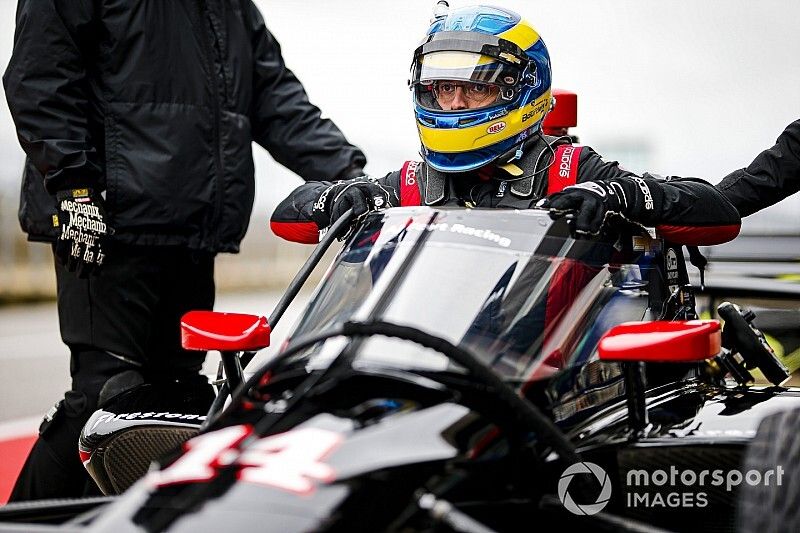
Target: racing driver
x=481, y=84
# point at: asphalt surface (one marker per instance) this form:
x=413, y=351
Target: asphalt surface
x=34, y=364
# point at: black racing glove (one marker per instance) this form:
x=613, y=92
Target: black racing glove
x=592, y=202
x=82, y=221
x=363, y=194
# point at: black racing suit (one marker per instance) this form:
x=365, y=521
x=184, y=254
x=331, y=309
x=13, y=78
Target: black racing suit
x=694, y=212
x=772, y=176
x=691, y=206
x=154, y=104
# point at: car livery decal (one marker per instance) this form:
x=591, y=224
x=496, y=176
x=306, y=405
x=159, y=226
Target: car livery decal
x=110, y=417
x=291, y=461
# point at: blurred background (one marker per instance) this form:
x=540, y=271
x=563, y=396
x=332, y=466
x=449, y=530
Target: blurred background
x=681, y=87
x=684, y=88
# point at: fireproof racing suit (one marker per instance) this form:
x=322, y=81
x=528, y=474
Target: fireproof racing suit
x=692, y=211
x=772, y=176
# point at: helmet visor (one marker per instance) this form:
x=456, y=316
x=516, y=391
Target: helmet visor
x=462, y=80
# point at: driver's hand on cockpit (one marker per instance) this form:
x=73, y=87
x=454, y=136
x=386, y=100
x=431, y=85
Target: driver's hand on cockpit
x=363, y=195
x=591, y=203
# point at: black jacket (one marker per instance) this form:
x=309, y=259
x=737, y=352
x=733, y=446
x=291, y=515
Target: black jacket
x=692, y=210
x=156, y=103
x=772, y=176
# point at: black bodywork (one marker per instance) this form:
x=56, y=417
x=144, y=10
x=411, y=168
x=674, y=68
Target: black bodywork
x=358, y=432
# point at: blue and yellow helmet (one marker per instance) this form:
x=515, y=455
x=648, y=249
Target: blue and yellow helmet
x=481, y=84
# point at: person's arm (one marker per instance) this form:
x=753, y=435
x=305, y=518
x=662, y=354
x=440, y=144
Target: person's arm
x=685, y=210
x=772, y=176
x=286, y=123
x=47, y=92
x=315, y=205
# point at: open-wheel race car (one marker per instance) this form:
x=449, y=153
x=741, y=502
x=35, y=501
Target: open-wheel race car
x=459, y=370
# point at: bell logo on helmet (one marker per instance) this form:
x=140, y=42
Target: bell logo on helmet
x=497, y=127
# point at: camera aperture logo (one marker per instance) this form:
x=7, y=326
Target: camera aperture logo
x=584, y=508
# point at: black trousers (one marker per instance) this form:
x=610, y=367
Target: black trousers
x=125, y=318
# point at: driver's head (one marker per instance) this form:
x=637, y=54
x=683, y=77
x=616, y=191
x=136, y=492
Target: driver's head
x=481, y=83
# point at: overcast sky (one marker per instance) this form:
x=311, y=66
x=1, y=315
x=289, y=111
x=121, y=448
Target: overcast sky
x=676, y=87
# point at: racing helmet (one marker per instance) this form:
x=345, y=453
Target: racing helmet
x=481, y=85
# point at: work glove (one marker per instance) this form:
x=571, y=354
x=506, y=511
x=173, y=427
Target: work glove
x=363, y=195
x=82, y=222
x=591, y=203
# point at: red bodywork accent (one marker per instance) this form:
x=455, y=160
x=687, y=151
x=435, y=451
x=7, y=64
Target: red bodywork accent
x=564, y=115
x=566, y=283
x=662, y=342
x=302, y=232
x=699, y=236
x=226, y=332
x=409, y=189
x=84, y=456
x=14, y=451
x=564, y=170
x=484, y=442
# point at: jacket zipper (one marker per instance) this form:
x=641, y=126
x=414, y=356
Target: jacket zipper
x=205, y=13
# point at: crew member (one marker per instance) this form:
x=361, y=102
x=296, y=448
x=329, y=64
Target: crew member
x=772, y=176
x=137, y=119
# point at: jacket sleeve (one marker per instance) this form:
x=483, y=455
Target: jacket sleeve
x=772, y=176
x=286, y=123
x=292, y=219
x=46, y=88
x=691, y=211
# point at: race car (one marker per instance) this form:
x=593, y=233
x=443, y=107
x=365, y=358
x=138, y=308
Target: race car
x=465, y=370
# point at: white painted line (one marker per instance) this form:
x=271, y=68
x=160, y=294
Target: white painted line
x=21, y=427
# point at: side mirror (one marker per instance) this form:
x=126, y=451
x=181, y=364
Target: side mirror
x=682, y=341
x=226, y=332
x=635, y=343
